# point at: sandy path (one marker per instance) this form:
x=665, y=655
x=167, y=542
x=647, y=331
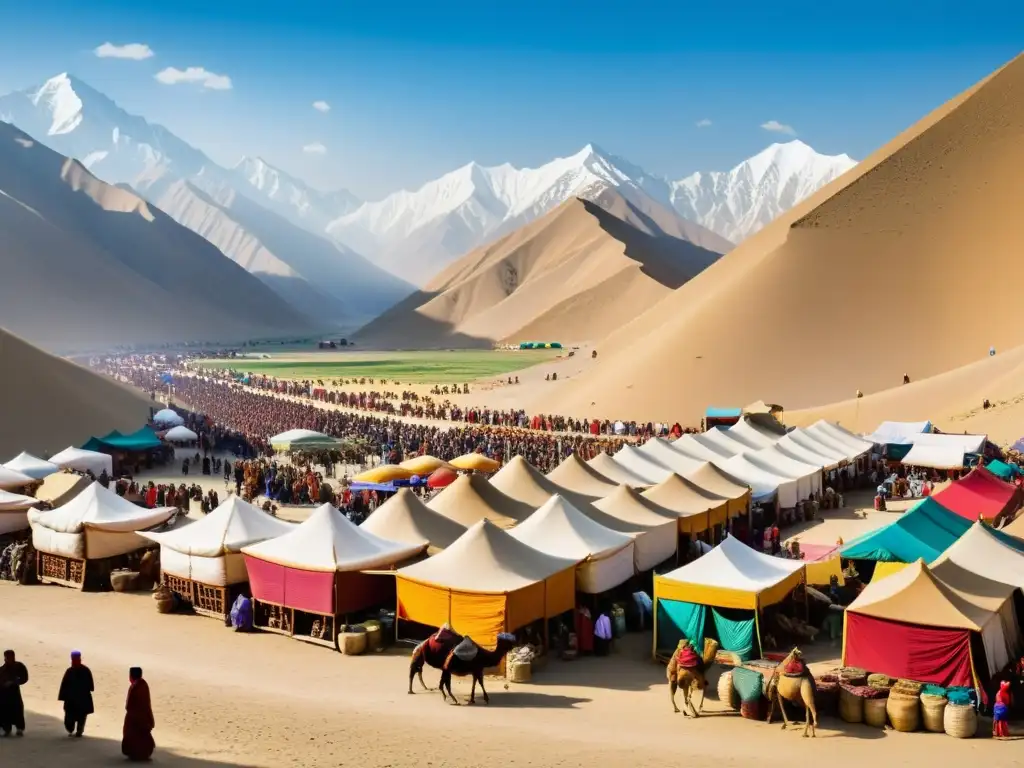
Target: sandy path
x=264, y=700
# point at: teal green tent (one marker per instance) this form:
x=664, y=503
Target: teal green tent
x=735, y=629
x=142, y=440
x=1005, y=471
x=924, y=531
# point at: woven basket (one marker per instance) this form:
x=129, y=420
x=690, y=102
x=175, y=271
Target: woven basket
x=853, y=676
x=932, y=710
x=904, y=712
x=880, y=681
x=960, y=720
x=908, y=687
x=352, y=643
x=851, y=706
x=874, y=712
x=374, y=641
x=826, y=698
x=726, y=693
x=520, y=672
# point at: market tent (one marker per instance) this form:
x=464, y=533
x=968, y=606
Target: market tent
x=144, y=439
x=31, y=466
x=655, y=529
x=735, y=582
x=476, y=462
x=405, y=518
x=967, y=443
x=486, y=583
x=727, y=442
x=10, y=479
x=83, y=461
x=744, y=431
x=834, y=444
x=987, y=553
x=424, y=465
x=924, y=531
x=981, y=495
x=714, y=447
x=948, y=456
x=913, y=625
x=898, y=432
x=208, y=551
x=690, y=446
x=14, y=512
x=557, y=528
x=807, y=476
x=809, y=452
x=319, y=565
x=663, y=452
x=857, y=445
x=385, y=473
x=97, y=523
x=611, y=469
x=521, y=481
x=302, y=440
x=578, y=476
x=764, y=484
x=60, y=488
x=1003, y=471
x=472, y=498
x=697, y=509
x=168, y=418
x=180, y=434
x=642, y=465
x=712, y=479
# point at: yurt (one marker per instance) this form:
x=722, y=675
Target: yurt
x=655, y=530
x=576, y=475
x=307, y=581
x=83, y=461
x=11, y=480
x=486, y=583
x=472, y=498
x=720, y=595
x=980, y=495
x=31, y=466
x=476, y=462
x=912, y=624
x=78, y=544
x=168, y=417
x=613, y=470
x=203, y=561
x=557, y=528
x=14, y=512
x=698, y=510
x=406, y=519
x=180, y=434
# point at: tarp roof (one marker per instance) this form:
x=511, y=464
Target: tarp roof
x=1003, y=470
x=96, y=507
x=486, y=559
x=559, y=529
x=797, y=450
x=635, y=510
x=32, y=466
x=924, y=531
x=168, y=416
x=679, y=495
x=83, y=460
x=967, y=443
x=776, y=461
x=731, y=567
x=10, y=502
x=710, y=478
x=763, y=484
x=841, y=435
x=716, y=445
x=836, y=443
x=141, y=440
x=405, y=518
x=650, y=469
x=979, y=494
x=297, y=439
x=898, y=432
x=576, y=475
x=949, y=456
x=727, y=440
x=234, y=524
x=521, y=481
x=476, y=462
x=180, y=433
x=424, y=465
x=472, y=498
x=9, y=478
x=915, y=595
x=611, y=469
x=981, y=551
x=690, y=446
x=329, y=541
x=665, y=453
x=749, y=433
x=724, y=413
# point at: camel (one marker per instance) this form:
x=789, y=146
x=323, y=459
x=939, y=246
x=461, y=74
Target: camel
x=688, y=674
x=468, y=659
x=797, y=687
x=433, y=651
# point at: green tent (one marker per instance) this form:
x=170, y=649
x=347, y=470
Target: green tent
x=142, y=440
x=1001, y=469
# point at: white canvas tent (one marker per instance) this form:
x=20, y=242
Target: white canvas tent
x=83, y=461
x=9, y=479
x=97, y=523
x=557, y=528
x=14, y=511
x=611, y=469
x=746, y=432
x=898, y=432
x=808, y=476
x=640, y=464
x=168, y=418
x=855, y=445
x=967, y=443
x=655, y=530
x=180, y=434
x=949, y=456
x=690, y=446
x=209, y=550
x=665, y=453
x=329, y=541
x=578, y=476
x=405, y=518
x=795, y=450
x=982, y=552
x=31, y=466
x=763, y=483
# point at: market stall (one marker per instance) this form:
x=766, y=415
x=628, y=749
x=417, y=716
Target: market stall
x=576, y=475
x=981, y=495
x=84, y=461
x=698, y=510
x=14, y=512
x=521, y=481
x=406, y=519
x=764, y=485
x=31, y=466
x=613, y=470
x=655, y=530
x=11, y=480
x=651, y=470
x=472, y=498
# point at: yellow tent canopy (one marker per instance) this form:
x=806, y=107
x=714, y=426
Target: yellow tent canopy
x=476, y=462
x=385, y=473
x=424, y=465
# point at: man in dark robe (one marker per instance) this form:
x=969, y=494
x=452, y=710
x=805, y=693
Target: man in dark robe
x=13, y=675
x=137, y=737
x=76, y=692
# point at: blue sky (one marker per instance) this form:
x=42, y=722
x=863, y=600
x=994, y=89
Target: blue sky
x=417, y=89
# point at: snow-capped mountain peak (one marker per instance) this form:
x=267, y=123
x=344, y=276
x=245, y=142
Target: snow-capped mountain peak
x=58, y=96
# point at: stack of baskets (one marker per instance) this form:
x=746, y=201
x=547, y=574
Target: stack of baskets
x=960, y=720
x=726, y=693
x=826, y=694
x=749, y=685
x=904, y=705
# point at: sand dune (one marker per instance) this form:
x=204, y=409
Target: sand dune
x=48, y=403
x=899, y=266
x=86, y=263
x=573, y=275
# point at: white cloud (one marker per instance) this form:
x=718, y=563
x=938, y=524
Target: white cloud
x=134, y=51
x=316, y=148
x=776, y=127
x=703, y=123
x=321, y=106
x=173, y=76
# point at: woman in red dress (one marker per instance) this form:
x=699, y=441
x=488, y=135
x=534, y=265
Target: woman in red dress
x=137, y=738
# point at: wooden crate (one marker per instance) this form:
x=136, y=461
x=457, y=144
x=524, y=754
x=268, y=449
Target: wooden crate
x=205, y=599
x=64, y=571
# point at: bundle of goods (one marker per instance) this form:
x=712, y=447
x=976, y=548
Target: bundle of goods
x=962, y=696
x=851, y=706
x=726, y=693
x=853, y=676
x=960, y=720
x=904, y=710
x=908, y=687
x=875, y=703
x=826, y=695
x=374, y=641
x=520, y=664
x=933, y=709
x=881, y=681
x=728, y=659
x=748, y=684
x=352, y=639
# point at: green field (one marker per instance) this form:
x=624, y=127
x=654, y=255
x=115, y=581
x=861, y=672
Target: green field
x=440, y=367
